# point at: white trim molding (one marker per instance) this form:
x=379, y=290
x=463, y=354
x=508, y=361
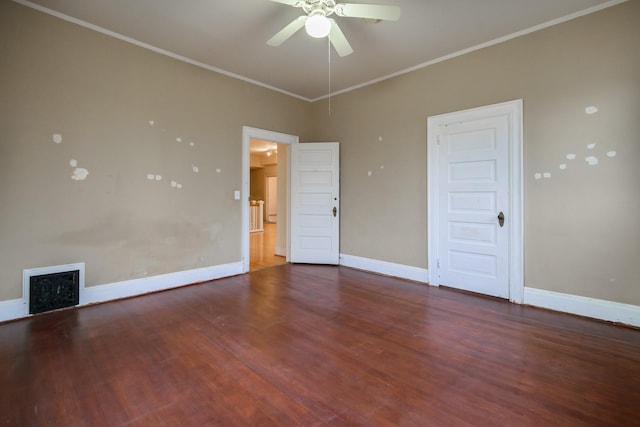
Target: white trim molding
x=387, y=268
x=145, y=285
x=471, y=49
x=18, y=308
x=210, y=67
x=610, y=311
x=249, y=133
x=12, y=309
x=152, y=48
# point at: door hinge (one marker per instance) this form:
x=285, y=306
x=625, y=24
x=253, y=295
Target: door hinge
x=438, y=263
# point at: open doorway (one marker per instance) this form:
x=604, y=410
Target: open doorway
x=266, y=237
x=280, y=143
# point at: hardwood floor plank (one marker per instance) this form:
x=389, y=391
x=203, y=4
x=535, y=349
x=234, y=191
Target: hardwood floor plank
x=262, y=248
x=305, y=345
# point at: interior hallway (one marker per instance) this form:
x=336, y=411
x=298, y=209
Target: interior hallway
x=262, y=246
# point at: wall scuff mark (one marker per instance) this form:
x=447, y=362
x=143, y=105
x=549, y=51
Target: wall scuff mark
x=591, y=160
x=80, y=174
x=591, y=110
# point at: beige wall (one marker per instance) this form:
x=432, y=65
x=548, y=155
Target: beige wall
x=582, y=229
x=581, y=226
x=100, y=93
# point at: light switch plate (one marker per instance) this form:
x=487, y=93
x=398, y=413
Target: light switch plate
x=236, y=195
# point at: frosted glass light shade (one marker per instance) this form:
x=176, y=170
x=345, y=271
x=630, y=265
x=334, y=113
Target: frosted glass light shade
x=318, y=26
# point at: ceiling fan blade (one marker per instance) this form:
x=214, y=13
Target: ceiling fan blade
x=290, y=2
x=370, y=11
x=287, y=31
x=338, y=40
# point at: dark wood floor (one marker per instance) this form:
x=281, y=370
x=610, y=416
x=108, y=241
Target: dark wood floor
x=302, y=345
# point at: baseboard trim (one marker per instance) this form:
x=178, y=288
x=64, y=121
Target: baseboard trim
x=583, y=306
x=145, y=285
x=16, y=309
x=280, y=251
x=387, y=268
x=13, y=309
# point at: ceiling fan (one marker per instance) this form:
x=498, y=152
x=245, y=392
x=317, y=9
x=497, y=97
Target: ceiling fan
x=318, y=24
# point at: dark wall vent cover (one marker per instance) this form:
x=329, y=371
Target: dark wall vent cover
x=52, y=291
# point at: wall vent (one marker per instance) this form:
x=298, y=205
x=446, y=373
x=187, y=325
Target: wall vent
x=51, y=288
x=53, y=291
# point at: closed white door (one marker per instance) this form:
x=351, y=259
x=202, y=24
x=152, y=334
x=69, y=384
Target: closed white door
x=315, y=204
x=474, y=215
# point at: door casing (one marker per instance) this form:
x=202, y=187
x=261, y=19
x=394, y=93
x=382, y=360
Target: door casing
x=514, y=109
x=249, y=133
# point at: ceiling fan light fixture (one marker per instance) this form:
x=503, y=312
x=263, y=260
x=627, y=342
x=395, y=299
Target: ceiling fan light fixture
x=318, y=26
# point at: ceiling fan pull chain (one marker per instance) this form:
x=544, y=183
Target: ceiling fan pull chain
x=329, y=53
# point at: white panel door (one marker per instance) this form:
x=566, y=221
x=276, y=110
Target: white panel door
x=473, y=167
x=315, y=188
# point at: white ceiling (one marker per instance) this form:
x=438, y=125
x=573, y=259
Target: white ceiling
x=230, y=35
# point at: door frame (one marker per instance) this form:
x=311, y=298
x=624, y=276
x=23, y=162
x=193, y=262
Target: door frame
x=514, y=110
x=249, y=133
